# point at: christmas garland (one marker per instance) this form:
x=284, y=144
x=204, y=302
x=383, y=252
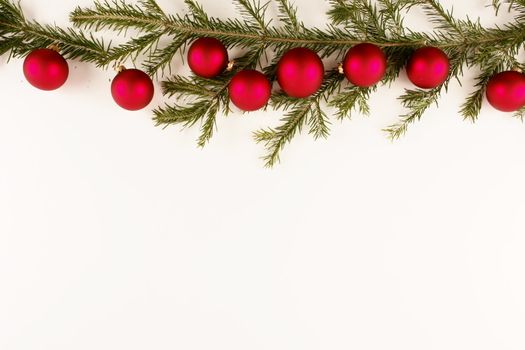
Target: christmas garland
x=369, y=38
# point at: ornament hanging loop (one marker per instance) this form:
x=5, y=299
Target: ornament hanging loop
x=340, y=68
x=119, y=67
x=230, y=66
x=54, y=47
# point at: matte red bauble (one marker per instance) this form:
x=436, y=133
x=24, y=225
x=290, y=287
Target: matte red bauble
x=46, y=69
x=207, y=57
x=506, y=91
x=132, y=89
x=365, y=65
x=300, y=72
x=428, y=67
x=250, y=90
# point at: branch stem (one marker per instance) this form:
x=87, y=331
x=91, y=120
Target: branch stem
x=272, y=39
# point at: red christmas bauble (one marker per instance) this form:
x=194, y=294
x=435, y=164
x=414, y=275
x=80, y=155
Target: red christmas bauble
x=428, y=67
x=207, y=57
x=506, y=91
x=250, y=90
x=365, y=65
x=46, y=69
x=300, y=72
x=132, y=89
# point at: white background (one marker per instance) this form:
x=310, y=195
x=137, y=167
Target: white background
x=115, y=234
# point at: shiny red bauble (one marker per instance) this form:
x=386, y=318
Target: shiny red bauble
x=132, y=89
x=506, y=91
x=428, y=67
x=207, y=57
x=300, y=72
x=365, y=65
x=250, y=90
x=46, y=69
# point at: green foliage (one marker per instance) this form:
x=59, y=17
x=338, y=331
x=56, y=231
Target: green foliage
x=201, y=98
x=155, y=38
x=300, y=112
x=416, y=102
x=351, y=99
x=19, y=36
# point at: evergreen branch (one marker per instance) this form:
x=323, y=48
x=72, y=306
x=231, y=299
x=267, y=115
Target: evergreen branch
x=208, y=126
x=151, y=6
x=368, y=22
x=183, y=87
x=443, y=18
x=253, y=12
x=340, y=12
x=161, y=58
x=417, y=101
x=353, y=98
x=20, y=36
x=496, y=4
x=360, y=17
x=199, y=101
x=391, y=16
x=490, y=65
x=472, y=106
x=120, y=15
x=197, y=11
x=276, y=139
x=520, y=114
x=132, y=49
x=301, y=112
x=318, y=122
x=210, y=96
x=289, y=15
x=398, y=58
